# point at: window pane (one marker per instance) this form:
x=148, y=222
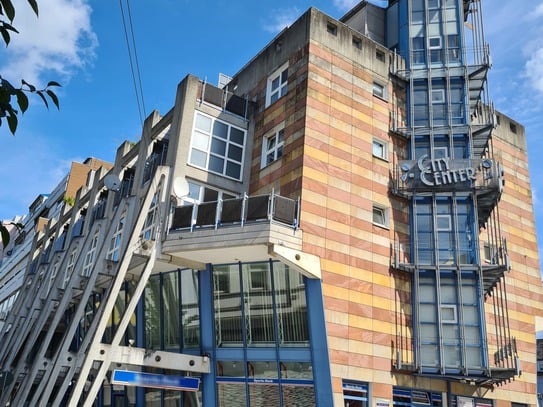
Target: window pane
x=291, y=305
x=152, y=313
x=259, y=304
x=189, y=308
x=220, y=129
x=218, y=147
x=227, y=307
x=216, y=164
x=237, y=136
x=233, y=170
x=170, y=292
x=203, y=123
x=235, y=152
x=198, y=158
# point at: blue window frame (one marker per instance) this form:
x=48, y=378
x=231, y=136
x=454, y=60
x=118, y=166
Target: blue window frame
x=449, y=314
x=355, y=394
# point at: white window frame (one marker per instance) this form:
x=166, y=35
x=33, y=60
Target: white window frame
x=449, y=222
x=52, y=277
x=454, y=311
x=148, y=230
x=116, y=240
x=276, y=149
x=89, y=257
x=201, y=146
x=273, y=92
x=69, y=268
x=263, y=272
x=430, y=46
x=383, y=145
x=379, y=90
x=440, y=93
x=384, y=214
x=444, y=150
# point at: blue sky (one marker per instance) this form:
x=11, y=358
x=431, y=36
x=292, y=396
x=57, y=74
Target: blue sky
x=81, y=44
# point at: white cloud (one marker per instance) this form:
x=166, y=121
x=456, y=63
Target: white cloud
x=533, y=69
x=538, y=12
x=281, y=19
x=56, y=44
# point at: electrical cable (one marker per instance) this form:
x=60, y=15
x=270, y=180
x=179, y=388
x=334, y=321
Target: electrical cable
x=134, y=70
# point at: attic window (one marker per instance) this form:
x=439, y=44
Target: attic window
x=331, y=28
x=357, y=42
x=513, y=127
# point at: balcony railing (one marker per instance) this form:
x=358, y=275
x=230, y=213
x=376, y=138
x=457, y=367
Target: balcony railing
x=224, y=99
x=237, y=211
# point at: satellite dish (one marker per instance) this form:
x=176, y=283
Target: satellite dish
x=180, y=187
x=112, y=182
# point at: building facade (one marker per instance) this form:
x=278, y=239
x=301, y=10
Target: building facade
x=330, y=226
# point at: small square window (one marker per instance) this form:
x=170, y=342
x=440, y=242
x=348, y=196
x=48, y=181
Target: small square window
x=443, y=223
x=380, y=149
x=380, y=56
x=448, y=314
x=438, y=95
x=331, y=28
x=433, y=4
x=222, y=281
x=259, y=279
x=380, y=216
x=513, y=127
x=441, y=152
x=379, y=90
x=434, y=42
x=357, y=42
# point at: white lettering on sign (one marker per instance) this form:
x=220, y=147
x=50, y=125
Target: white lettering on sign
x=439, y=172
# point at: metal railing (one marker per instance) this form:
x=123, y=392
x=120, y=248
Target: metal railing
x=237, y=211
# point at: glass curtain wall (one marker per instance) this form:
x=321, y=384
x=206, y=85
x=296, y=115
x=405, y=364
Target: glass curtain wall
x=448, y=300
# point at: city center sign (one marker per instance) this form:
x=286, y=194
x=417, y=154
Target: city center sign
x=444, y=173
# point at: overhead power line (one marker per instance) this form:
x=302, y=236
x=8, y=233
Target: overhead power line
x=133, y=58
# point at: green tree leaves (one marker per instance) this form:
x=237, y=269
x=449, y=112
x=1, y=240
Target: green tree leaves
x=9, y=95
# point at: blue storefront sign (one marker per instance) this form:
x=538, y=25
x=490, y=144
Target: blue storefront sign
x=158, y=381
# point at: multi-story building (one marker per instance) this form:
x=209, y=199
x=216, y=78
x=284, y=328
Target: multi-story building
x=43, y=212
x=321, y=229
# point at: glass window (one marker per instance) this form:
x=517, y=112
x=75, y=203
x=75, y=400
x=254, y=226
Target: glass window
x=89, y=256
x=152, y=313
x=380, y=216
x=272, y=147
x=355, y=394
x=379, y=90
x=69, y=268
x=419, y=54
x=438, y=95
x=113, y=252
x=277, y=85
x=190, y=311
x=217, y=146
x=380, y=149
x=171, y=305
x=148, y=231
